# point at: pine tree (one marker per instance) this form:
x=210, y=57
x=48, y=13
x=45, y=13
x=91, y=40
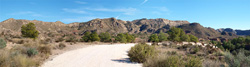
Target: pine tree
x=29, y=30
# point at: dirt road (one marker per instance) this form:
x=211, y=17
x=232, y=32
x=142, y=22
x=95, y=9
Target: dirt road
x=94, y=56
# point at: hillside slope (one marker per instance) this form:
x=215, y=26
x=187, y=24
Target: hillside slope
x=112, y=25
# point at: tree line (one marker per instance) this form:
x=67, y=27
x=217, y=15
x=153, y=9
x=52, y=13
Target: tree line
x=106, y=37
x=174, y=34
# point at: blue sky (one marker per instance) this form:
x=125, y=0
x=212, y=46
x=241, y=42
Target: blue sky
x=209, y=13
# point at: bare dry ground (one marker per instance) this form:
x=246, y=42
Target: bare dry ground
x=94, y=56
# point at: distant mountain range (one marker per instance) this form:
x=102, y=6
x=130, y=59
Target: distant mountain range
x=112, y=25
x=238, y=32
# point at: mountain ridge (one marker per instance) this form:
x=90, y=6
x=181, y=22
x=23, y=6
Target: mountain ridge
x=112, y=25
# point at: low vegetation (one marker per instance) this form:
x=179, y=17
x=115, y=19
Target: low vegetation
x=105, y=37
x=61, y=45
x=238, y=60
x=8, y=59
x=2, y=43
x=172, y=59
x=29, y=30
x=174, y=34
x=24, y=55
x=235, y=52
x=140, y=52
x=125, y=38
x=32, y=52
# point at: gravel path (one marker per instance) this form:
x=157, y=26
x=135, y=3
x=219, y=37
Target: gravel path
x=94, y=56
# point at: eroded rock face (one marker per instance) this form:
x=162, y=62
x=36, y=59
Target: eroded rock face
x=111, y=25
x=234, y=32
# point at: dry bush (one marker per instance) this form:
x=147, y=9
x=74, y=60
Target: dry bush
x=212, y=63
x=194, y=49
x=15, y=59
x=23, y=61
x=184, y=47
x=61, y=45
x=45, y=49
x=46, y=41
x=4, y=58
x=164, y=61
x=59, y=39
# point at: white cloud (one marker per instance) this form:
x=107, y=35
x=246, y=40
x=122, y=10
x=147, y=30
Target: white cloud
x=27, y=13
x=117, y=16
x=80, y=2
x=78, y=11
x=161, y=11
x=125, y=11
x=79, y=19
x=144, y=2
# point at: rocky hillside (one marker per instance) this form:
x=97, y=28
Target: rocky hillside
x=238, y=32
x=111, y=25
x=13, y=27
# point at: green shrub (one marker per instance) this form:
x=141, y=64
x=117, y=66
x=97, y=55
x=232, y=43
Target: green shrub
x=130, y=38
x=62, y=45
x=175, y=33
x=153, y=38
x=86, y=37
x=193, y=38
x=185, y=38
x=121, y=38
x=90, y=37
x=140, y=52
x=105, y=37
x=29, y=30
x=193, y=62
x=32, y=52
x=163, y=36
x=94, y=37
x=240, y=60
x=2, y=43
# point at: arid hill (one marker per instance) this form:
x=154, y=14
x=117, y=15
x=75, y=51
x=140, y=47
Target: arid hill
x=13, y=27
x=148, y=26
x=238, y=32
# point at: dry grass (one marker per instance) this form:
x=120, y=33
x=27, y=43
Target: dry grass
x=206, y=57
x=212, y=63
x=13, y=59
x=17, y=56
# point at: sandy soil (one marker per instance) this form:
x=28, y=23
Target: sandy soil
x=94, y=56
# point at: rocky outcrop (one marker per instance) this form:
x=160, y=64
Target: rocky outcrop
x=234, y=32
x=111, y=25
x=243, y=32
